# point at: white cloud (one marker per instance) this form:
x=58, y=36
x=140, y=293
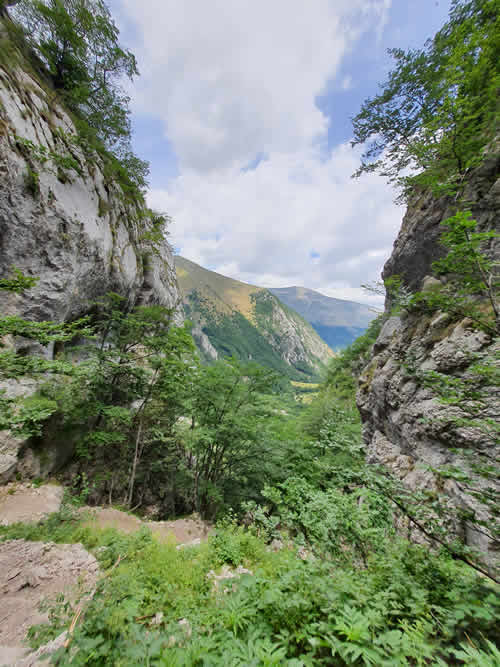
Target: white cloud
x=262, y=226
x=234, y=79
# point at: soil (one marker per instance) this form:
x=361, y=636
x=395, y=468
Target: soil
x=182, y=531
x=34, y=572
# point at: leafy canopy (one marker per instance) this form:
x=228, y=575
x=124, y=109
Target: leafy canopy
x=77, y=40
x=439, y=105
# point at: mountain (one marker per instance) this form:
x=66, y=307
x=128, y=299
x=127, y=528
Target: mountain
x=338, y=322
x=233, y=318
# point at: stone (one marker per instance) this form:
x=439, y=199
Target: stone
x=405, y=426
x=77, y=235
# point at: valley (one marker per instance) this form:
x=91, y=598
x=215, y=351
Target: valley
x=200, y=472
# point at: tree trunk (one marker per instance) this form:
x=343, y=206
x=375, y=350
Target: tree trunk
x=134, y=465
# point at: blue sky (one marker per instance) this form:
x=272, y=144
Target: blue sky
x=243, y=110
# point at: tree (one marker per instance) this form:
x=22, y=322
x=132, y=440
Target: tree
x=439, y=106
x=78, y=42
x=127, y=395
x=471, y=277
x=24, y=416
x=227, y=434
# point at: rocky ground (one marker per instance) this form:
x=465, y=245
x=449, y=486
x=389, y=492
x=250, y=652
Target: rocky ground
x=182, y=531
x=25, y=503
x=32, y=573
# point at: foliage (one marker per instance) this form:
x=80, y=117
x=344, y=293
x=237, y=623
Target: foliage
x=439, y=106
x=471, y=276
x=405, y=607
x=349, y=363
x=24, y=416
x=74, y=46
x=78, y=42
x=127, y=395
x=43, y=155
x=234, y=335
x=18, y=282
x=228, y=429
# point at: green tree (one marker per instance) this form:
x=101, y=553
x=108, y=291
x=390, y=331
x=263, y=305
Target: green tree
x=128, y=395
x=227, y=437
x=24, y=416
x=439, y=106
x=77, y=40
x=472, y=284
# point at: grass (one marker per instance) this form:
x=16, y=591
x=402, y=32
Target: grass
x=152, y=579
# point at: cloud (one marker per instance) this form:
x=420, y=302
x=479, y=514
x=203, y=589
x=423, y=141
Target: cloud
x=257, y=196
x=232, y=78
x=294, y=220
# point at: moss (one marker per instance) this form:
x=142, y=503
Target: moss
x=103, y=207
x=32, y=182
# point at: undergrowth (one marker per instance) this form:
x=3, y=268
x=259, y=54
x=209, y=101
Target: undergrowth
x=160, y=606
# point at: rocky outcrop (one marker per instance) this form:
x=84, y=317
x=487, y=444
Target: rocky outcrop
x=66, y=221
x=289, y=334
x=70, y=226
x=405, y=425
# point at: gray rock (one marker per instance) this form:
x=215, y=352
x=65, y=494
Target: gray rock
x=73, y=230
x=405, y=426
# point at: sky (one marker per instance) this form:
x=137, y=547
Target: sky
x=243, y=110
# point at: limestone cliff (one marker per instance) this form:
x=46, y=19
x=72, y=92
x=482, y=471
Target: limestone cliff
x=64, y=220
x=406, y=427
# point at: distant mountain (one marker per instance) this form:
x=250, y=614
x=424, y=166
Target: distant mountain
x=233, y=318
x=338, y=322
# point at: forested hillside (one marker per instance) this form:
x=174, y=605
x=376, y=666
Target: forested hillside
x=339, y=536
x=337, y=321
x=250, y=323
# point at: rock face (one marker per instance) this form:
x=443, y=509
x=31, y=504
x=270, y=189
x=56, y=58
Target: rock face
x=65, y=221
x=33, y=572
x=405, y=426
x=338, y=322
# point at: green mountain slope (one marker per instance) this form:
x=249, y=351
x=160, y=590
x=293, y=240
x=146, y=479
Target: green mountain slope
x=233, y=318
x=338, y=322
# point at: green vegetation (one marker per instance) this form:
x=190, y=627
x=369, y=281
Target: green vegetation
x=439, y=106
x=247, y=322
x=77, y=42
x=72, y=47
x=330, y=581
x=468, y=272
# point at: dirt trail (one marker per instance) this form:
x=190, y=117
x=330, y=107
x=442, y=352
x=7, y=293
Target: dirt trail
x=183, y=531
x=22, y=502
x=27, y=504
x=31, y=573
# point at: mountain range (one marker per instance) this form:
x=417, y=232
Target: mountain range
x=233, y=318
x=338, y=322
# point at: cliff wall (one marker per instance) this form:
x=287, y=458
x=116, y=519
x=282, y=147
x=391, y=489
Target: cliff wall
x=66, y=221
x=405, y=425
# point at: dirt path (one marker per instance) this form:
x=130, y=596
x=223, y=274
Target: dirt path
x=22, y=502
x=183, y=531
x=31, y=573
